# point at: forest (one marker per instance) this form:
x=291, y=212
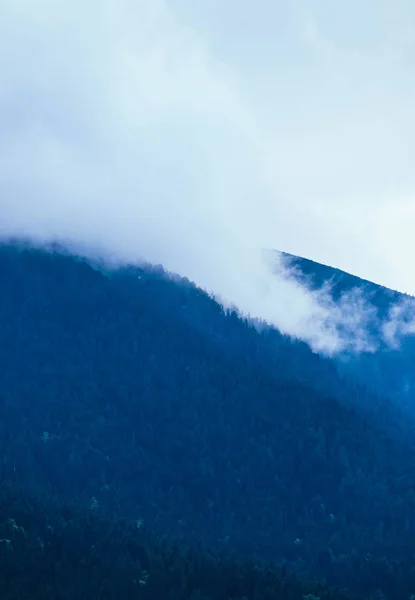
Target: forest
x=156, y=445
x=389, y=369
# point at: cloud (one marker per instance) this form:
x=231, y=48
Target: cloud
x=399, y=323
x=311, y=35
x=123, y=131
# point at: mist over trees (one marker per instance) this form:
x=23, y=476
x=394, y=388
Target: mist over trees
x=130, y=396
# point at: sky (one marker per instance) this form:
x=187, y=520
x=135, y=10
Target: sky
x=195, y=134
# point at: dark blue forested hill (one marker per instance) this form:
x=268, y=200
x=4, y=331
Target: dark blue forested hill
x=52, y=549
x=136, y=395
x=316, y=274
x=391, y=369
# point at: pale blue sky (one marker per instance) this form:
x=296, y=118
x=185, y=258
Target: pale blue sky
x=333, y=85
x=195, y=133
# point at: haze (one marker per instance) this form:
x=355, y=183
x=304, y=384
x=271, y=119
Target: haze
x=197, y=134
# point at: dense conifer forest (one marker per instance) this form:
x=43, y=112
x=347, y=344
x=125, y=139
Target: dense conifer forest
x=50, y=550
x=156, y=445
x=389, y=369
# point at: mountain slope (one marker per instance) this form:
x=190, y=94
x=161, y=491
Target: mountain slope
x=52, y=550
x=317, y=274
x=389, y=370
x=138, y=396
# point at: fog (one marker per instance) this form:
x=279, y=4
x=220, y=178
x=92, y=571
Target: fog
x=131, y=129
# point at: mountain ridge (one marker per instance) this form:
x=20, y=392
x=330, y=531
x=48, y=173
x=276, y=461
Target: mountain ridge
x=136, y=395
x=389, y=369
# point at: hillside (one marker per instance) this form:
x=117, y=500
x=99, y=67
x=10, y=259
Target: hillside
x=317, y=274
x=390, y=369
x=53, y=550
x=134, y=395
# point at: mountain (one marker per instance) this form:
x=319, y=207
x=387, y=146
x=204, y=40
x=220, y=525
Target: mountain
x=390, y=368
x=51, y=550
x=134, y=395
x=317, y=274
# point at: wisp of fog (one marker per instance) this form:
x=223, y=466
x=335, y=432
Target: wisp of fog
x=121, y=132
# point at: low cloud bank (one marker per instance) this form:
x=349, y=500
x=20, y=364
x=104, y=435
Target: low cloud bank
x=123, y=135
